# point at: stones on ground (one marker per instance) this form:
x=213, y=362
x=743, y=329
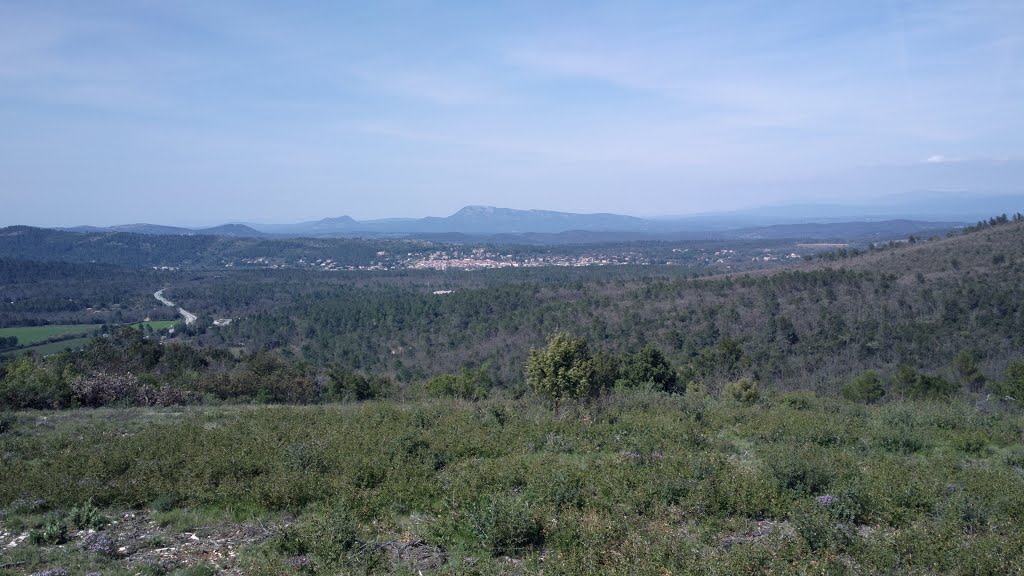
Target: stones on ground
x=416, y=554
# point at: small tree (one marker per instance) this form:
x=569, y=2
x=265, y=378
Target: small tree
x=866, y=388
x=743, y=390
x=468, y=384
x=903, y=380
x=649, y=366
x=967, y=371
x=563, y=370
x=928, y=387
x=1012, y=384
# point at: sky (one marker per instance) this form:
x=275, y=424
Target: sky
x=195, y=112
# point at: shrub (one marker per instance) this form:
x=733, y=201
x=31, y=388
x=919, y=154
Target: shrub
x=200, y=570
x=649, y=366
x=971, y=442
x=103, y=389
x=930, y=387
x=505, y=524
x=807, y=470
x=27, y=383
x=327, y=533
x=1012, y=384
x=354, y=386
x=563, y=370
x=819, y=528
x=967, y=371
x=469, y=384
x=1015, y=457
x=164, y=503
x=798, y=400
x=87, y=516
x=743, y=390
x=865, y=388
x=54, y=531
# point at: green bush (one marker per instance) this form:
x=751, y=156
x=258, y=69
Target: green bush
x=931, y=387
x=563, y=370
x=971, y=442
x=87, y=516
x=866, y=388
x=27, y=383
x=505, y=524
x=743, y=390
x=469, y=384
x=164, y=503
x=820, y=529
x=648, y=366
x=803, y=400
x=327, y=533
x=1012, y=384
x=54, y=531
x=807, y=469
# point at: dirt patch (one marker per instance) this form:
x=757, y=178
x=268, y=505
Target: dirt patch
x=416, y=554
x=761, y=530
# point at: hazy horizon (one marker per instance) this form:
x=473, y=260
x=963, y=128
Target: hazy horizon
x=197, y=114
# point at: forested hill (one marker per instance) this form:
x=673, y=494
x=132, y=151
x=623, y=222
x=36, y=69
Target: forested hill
x=180, y=251
x=813, y=325
x=980, y=249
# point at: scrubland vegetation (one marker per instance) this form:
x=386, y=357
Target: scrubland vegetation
x=638, y=482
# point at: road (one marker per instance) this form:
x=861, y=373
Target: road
x=188, y=316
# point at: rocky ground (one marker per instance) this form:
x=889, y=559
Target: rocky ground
x=140, y=544
x=136, y=543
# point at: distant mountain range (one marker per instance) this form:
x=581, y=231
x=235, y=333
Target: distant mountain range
x=232, y=230
x=469, y=220
x=910, y=213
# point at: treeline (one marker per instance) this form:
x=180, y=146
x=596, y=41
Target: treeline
x=127, y=368
x=185, y=251
x=802, y=329
x=40, y=293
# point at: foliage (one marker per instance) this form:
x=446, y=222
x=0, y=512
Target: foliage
x=744, y=390
x=927, y=386
x=102, y=389
x=26, y=384
x=649, y=366
x=355, y=386
x=966, y=368
x=87, y=516
x=866, y=388
x=53, y=531
x=563, y=370
x=606, y=488
x=1012, y=384
x=505, y=524
x=468, y=384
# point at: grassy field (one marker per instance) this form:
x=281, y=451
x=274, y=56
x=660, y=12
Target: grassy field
x=156, y=325
x=637, y=483
x=34, y=338
x=29, y=335
x=53, y=347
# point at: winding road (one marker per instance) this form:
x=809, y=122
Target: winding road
x=188, y=316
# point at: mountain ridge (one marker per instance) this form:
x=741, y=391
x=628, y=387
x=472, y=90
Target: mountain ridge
x=485, y=220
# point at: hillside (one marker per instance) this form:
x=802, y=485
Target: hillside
x=813, y=325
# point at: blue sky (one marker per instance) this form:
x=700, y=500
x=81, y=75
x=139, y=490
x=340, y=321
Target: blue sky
x=199, y=112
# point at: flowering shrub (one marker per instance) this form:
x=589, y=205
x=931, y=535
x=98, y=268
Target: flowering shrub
x=104, y=389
